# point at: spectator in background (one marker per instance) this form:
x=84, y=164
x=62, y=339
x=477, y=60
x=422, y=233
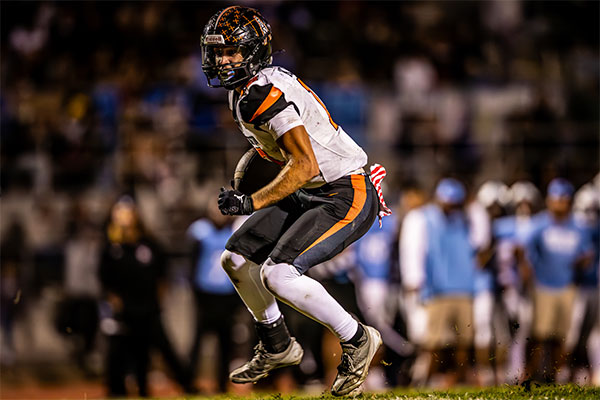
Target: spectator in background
x=132, y=272
x=216, y=299
x=12, y=258
x=556, y=246
x=77, y=317
x=585, y=353
x=437, y=260
x=510, y=233
x=46, y=232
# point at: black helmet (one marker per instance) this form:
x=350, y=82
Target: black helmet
x=240, y=27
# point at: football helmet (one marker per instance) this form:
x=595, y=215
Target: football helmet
x=243, y=29
x=524, y=191
x=586, y=204
x=493, y=192
x=450, y=191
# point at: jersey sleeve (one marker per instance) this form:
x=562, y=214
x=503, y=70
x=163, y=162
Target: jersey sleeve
x=480, y=224
x=262, y=103
x=585, y=244
x=284, y=121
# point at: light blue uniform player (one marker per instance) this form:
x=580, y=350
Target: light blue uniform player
x=510, y=233
x=555, y=247
x=450, y=266
x=209, y=276
x=583, y=341
x=438, y=261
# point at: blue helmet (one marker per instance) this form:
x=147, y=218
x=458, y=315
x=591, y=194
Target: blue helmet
x=560, y=188
x=450, y=191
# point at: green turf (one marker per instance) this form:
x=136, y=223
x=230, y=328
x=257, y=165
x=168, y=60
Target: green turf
x=527, y=392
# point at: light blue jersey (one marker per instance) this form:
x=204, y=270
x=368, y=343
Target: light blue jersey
x=209, y=276
x=449, y=263
x=588, y=277
x=374, y=249
x=553, y=248
x=509, y=233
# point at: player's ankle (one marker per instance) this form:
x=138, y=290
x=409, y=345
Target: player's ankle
x=360, y=331
x=274, y=336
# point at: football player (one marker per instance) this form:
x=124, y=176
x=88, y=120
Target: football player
x=319, y=203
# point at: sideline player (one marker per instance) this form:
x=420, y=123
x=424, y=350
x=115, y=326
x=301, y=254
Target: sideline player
x=320, y=202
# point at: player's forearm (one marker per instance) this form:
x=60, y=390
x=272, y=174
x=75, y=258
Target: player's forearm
x=295, y=174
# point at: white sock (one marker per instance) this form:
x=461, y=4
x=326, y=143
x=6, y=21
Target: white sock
x=245, y=276
x=308, y=297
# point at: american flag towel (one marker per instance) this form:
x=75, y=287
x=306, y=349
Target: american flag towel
x=377, y=174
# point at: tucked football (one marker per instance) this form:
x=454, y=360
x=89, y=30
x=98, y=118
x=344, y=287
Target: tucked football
x=253, y=172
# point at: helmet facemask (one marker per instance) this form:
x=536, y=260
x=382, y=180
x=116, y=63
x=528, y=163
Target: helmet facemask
x=234, y=74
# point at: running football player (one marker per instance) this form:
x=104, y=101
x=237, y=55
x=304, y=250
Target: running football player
x=320, y=202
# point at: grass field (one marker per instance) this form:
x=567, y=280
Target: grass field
x=553, y=392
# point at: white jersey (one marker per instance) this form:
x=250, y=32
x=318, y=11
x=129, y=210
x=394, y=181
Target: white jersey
x=275, y=101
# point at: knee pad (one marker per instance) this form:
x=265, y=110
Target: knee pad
x=275, y=276
x=231, y=262
x=266, y=275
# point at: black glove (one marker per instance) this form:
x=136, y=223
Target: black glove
x=234, y=202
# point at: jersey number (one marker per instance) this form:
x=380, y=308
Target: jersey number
x=335, y=126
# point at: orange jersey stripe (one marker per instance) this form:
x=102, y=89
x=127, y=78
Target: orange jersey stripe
x=272, y=97
x=360, y=197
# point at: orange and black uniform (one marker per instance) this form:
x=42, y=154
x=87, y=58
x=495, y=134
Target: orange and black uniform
x=334, y=209
x=306, y=229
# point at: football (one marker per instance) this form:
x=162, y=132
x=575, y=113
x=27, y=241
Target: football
x=253, y=172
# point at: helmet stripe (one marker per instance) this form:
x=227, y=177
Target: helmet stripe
x=223, y=12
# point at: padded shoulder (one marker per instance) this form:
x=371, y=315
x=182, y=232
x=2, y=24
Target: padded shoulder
x=260, y=103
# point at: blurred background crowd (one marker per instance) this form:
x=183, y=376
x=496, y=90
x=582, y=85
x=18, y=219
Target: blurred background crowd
x=113, y=149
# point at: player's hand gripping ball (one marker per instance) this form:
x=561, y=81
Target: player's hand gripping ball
x=234, y=202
